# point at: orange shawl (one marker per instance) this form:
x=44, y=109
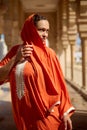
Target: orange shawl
x=51, y=73
x=47, y=86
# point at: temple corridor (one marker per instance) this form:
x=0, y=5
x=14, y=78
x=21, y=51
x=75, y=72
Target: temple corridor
x=67, y=37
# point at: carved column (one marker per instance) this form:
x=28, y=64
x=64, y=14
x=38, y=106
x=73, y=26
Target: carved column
x=64, y=35
x=15, y=29
x=59, y=27
x=72, y=31
x=13, y=21
x=21, y=15
x=1, y=23
x=3, y=9
x=82, y=27
x=8, y=18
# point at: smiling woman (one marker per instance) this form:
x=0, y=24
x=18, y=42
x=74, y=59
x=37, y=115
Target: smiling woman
x=40, y=99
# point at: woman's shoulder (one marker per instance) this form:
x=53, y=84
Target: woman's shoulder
x=15, y=47
x=51, y=51
x=12, y=51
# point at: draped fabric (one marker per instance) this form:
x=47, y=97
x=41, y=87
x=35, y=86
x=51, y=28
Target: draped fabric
x=43, y=89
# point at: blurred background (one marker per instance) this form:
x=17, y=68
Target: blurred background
x=67, y=37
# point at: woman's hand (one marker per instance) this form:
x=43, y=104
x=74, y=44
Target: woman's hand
x=23, y=52
x=67, y=122
x=26, y=50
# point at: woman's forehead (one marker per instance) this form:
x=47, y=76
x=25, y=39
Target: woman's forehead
x=43, y=24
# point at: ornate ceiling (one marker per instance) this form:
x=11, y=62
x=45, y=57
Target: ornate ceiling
x=39, y=5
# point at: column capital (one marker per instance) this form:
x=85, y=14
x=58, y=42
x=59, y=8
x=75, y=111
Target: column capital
x=82, y=20
x=64, y=39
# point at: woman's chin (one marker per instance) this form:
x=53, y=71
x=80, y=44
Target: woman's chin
x=44, y=41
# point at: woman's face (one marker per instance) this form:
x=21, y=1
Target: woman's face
x=42, y=29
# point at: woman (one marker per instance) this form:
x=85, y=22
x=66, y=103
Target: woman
x=38, y=90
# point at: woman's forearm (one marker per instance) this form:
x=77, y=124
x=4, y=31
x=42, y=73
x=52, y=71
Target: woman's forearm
x=4, y=70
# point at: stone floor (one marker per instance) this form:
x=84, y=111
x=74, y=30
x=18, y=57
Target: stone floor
x=79, y=119
x=6, y=118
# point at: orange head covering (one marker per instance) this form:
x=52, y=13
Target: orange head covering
x=29, y=32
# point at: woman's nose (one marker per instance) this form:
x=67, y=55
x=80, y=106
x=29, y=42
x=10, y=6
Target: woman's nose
x=45, y=33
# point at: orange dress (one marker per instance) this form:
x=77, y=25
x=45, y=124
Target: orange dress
x=38, y=89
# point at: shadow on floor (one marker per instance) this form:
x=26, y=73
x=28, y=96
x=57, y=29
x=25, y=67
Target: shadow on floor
x=79, y=119
x=6, y=117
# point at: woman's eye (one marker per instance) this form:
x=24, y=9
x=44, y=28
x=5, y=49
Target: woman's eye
x=43, y=30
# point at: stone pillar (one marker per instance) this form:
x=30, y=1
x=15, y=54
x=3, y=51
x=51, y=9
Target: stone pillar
x=8, y=18
x=64, y=35
x=3, y=9
x=84, y=64
x=72, y=46
x=59, y=27
x=21, y=19
x=72, y=31
x=1, y=24
x=21, y=15
x=15, y=29
x=13, y=19
x=82, y=27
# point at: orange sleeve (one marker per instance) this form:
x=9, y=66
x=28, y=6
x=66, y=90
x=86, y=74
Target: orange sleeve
x=9, y=55
x=7, y=58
